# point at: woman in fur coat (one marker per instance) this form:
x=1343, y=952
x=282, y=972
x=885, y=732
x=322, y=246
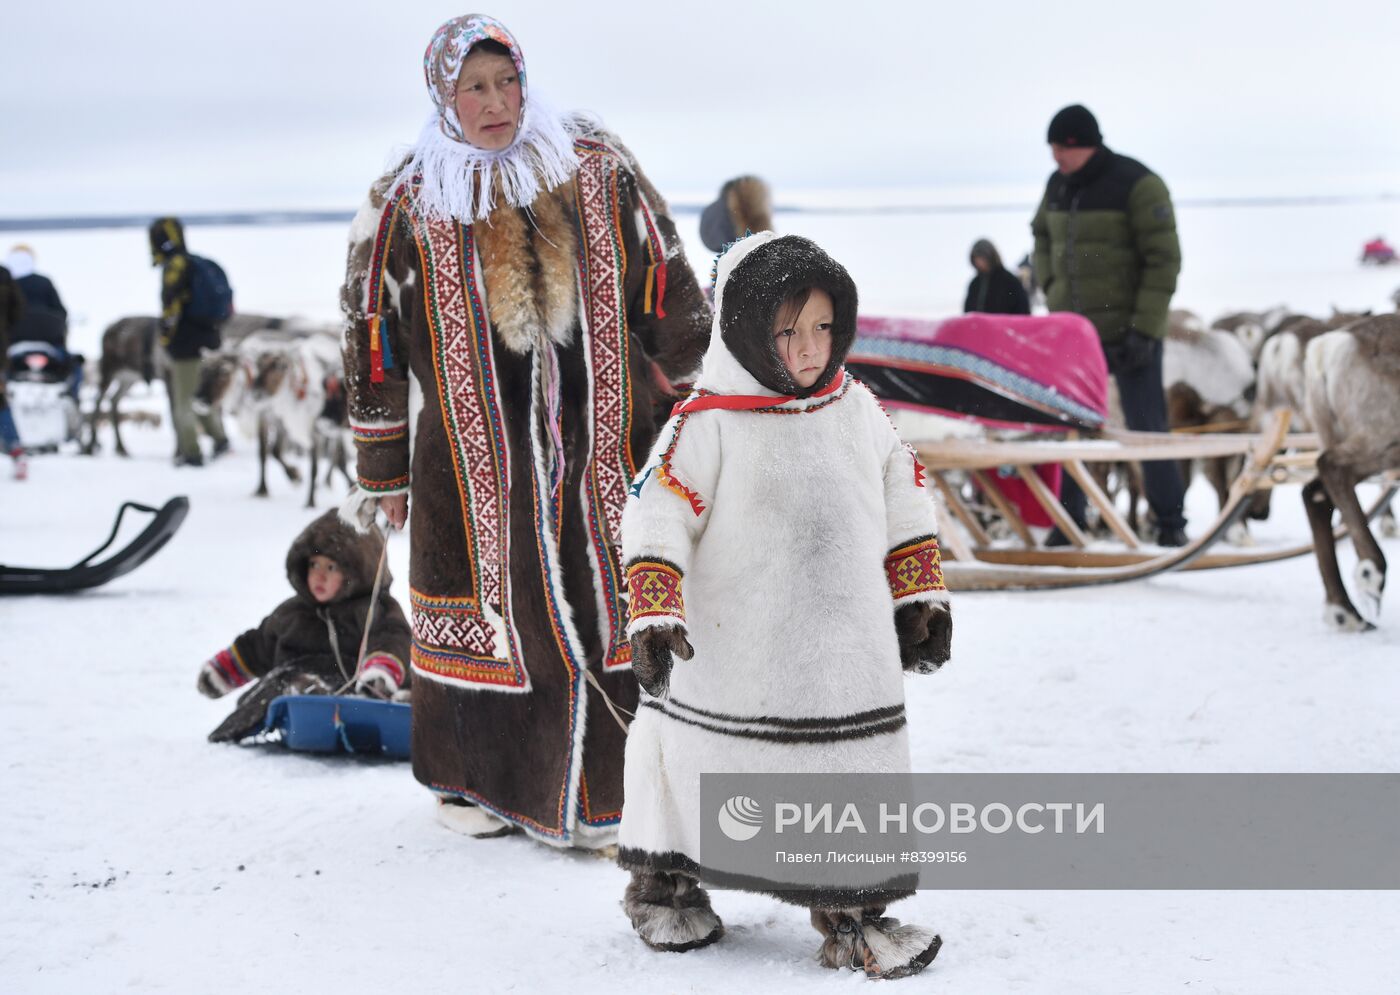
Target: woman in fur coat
x=522, y=271
x=311, y=642
x=784, y=572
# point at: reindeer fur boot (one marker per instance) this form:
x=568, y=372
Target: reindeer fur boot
x=671, y=911
x=868, y=940
x=461, y=816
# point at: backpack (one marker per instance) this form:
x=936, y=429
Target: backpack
x=211, y=297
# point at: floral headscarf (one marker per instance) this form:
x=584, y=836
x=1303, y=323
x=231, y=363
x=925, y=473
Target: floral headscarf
x=442, y=62
x=456, y=180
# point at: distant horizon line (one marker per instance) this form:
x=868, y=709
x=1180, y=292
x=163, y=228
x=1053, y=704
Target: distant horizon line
x=263, y=218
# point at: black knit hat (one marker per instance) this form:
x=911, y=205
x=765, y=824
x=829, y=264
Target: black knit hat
x=1076, y=127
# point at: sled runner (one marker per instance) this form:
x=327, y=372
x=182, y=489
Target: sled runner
x=325, y=723
x=86, y=573
x=1037, y=387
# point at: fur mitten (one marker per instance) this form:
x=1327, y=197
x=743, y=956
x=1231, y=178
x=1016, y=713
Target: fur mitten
x=220, y=675
x=925, y=635
x=379, y=677
x=210, y=683
x=652, y=651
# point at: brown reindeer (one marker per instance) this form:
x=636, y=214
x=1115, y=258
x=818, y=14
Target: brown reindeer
x=129, y=354
x=1352, y=385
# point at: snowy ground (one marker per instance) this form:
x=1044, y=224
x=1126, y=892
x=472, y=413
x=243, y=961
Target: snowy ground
x=136, y=856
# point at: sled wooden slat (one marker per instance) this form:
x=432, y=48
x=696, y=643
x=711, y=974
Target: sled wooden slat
x=1004, y=508
x=1101, y=501
x=1026, y=575
x=951, y=538
x=956, y=505
x=1207, y=561
x=977, y=454
x=1047, y=500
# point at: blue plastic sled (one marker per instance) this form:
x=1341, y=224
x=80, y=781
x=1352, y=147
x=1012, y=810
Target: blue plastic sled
x=325, y=723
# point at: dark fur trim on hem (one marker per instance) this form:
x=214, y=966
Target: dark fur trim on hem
x=835, y=721
x=915, y=541
x=651, y=559
x=894, y=889
x=793, y=736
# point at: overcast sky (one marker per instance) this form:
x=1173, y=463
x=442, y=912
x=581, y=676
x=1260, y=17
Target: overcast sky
x=178, y=106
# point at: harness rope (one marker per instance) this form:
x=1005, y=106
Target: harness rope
x=369, y=616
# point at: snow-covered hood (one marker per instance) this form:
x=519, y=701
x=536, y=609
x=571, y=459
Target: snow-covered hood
x=356, y=553
x=752, y=279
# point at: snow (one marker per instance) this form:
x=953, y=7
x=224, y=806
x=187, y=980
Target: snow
x=138, y=857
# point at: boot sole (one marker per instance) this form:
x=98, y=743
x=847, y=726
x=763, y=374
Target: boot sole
x=680, y=948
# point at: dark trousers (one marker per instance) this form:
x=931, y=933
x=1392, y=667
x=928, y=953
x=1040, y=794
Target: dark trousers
x=1145, y=410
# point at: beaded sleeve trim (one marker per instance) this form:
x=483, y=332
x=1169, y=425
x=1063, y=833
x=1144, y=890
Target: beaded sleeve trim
x=654, y=589
x=915, y=568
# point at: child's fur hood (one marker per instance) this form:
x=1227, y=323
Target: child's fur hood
x=752, y=279
x=356, y=553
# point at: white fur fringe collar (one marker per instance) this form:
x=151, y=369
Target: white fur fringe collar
x=460, y=181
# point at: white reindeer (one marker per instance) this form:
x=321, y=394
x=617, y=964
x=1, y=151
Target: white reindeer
x=1351, y=382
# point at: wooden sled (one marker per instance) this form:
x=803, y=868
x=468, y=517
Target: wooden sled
x=973, y=563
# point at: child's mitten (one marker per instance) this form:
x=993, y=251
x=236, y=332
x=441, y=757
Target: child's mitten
x=220, y=675
x=379, y=677
x=652, y=649
x=925, y=635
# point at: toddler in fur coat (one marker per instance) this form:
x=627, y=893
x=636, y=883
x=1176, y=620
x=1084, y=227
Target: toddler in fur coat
x=783, y=573
x=310, y=644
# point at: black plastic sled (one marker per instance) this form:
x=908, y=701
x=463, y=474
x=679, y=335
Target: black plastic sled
x=85, y=573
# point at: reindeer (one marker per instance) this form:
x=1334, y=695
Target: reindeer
x=131, y=352
x=1282, y=381
x=1351, y=380
x=1207, y=377
x=1253, y=328
x=1209, y=380
x=288, y=395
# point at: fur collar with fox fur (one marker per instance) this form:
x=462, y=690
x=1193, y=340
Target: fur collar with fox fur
x=529, y=259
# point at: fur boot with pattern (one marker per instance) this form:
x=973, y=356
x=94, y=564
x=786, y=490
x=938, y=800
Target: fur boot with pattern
x=870, y=941
x=671, y=911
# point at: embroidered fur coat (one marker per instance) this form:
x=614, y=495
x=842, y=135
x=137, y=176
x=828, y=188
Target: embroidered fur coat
x=543, y=340
x=782, y=537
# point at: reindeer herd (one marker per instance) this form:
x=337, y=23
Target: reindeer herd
x=280, y=379
x=1340, y=376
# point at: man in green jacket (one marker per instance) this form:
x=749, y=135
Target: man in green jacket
x=1106, y=248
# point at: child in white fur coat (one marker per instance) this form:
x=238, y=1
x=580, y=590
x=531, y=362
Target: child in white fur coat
x=783, y=573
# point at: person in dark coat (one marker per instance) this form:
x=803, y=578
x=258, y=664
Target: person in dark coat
x=11, y=313
x=744, y=204
x=311, y=642
x=185, y=336
x=45, y=318
x=995, y=289
x=552, y=311
x=1106, y=247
